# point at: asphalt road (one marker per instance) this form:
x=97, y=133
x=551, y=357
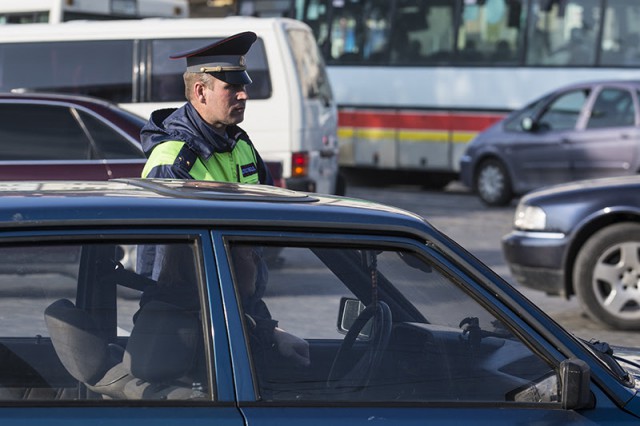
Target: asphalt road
x=478, y=228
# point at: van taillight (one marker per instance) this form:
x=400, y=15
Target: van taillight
x=299, y=164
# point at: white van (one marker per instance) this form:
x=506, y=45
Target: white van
x=291, y=116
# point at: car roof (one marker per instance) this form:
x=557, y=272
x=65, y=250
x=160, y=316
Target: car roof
x=56, y=97
x=160, y=202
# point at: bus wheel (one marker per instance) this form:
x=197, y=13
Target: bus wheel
x=493, y=184
x=606, y=276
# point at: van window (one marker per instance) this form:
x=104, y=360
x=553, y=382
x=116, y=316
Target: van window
x=166, y=83
x=309, y=65
x=103, y=69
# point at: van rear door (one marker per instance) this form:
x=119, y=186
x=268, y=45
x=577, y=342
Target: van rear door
x=315, y=146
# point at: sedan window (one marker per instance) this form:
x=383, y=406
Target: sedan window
x=78, y=323
x=110, y=143
x=376, y=324
x=563, y=113
x=57, y=135
x=612, y=108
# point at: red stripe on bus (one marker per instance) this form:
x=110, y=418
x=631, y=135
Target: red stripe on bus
x=417, y=120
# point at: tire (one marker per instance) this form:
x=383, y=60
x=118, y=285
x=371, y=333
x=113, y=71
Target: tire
x=606, y=276
x=493, y=184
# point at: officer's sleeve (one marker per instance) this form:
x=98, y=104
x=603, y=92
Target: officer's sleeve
x=170, y=171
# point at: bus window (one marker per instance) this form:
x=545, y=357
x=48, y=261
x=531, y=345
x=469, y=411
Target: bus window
x=564, y=33
x=421, y=33
x=490, y=32
x=166, y=84
x=95, y=68
x=620, y=35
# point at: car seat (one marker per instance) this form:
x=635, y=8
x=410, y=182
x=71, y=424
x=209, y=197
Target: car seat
x=160, y=352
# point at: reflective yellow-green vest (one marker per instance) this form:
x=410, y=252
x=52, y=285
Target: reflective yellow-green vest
x=240, y=165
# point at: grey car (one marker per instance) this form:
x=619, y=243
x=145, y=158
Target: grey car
x=582, y=131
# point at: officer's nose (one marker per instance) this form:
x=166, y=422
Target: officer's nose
x=242, y=93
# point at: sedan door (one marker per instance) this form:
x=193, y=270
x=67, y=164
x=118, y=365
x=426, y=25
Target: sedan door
x=346, y=330
x=609, y=143
x=543, y=155
x=84, y=336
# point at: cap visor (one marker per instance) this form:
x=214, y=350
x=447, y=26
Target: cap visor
x=233, y=77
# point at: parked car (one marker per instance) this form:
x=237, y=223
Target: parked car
x=51, y=136
x=61, y=136
x=582, y=131
x=371, y=315
x=582, y=239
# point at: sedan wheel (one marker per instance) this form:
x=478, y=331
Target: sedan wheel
x=607, y=276
x=493, y=184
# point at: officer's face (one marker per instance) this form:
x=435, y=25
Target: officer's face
x=224, y=103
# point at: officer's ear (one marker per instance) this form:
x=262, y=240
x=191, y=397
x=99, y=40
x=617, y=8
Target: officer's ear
x=198, y=91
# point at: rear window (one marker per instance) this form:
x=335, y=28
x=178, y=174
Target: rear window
x=309, y=65
x=166, y=83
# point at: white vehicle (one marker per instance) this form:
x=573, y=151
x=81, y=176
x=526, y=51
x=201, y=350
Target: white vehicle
x=56, y=11
x=291, y=116
x=415, y=80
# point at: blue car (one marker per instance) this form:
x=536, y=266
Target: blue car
x=186, y=302
x=580, y=131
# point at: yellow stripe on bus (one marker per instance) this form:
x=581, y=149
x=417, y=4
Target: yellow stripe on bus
x=405, y=135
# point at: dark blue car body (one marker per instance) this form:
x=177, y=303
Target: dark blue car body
x=361, y=242
x=576, y=214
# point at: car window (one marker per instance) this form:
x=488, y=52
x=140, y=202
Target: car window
x=77, y=323
x=563, y=113
x=57, y=135
x=612, y=108
x=333, y=323
x=110, y=144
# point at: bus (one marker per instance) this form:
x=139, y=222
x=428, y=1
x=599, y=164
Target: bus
x=56, y=11
x=415, y=80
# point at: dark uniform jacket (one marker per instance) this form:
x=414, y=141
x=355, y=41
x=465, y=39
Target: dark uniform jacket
x=179, y=144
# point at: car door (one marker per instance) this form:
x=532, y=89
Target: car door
x=608, y=145
x=543, y=155
x=84, y=336
x=376, y=329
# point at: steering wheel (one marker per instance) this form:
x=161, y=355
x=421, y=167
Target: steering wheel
x=352, y=375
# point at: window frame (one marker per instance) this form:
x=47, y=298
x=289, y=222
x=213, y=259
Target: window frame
x=248, y=388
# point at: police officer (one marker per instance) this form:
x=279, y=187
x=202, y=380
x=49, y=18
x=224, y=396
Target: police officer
x=201, y=140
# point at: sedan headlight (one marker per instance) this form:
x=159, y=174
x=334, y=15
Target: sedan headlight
x=530, y=218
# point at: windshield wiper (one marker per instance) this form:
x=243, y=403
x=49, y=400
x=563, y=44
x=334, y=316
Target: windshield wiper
x=603, y=351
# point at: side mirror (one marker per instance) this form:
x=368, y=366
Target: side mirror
x=575, y=376
x=527, y=124
x=350, y=309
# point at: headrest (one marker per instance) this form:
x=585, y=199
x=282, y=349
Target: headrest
x=163, y=342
